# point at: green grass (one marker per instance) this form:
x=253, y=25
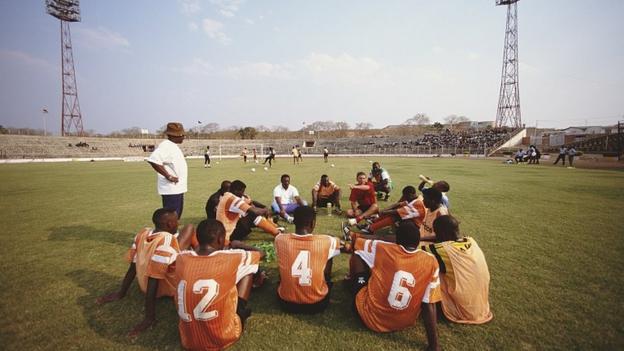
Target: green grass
x=552, y=238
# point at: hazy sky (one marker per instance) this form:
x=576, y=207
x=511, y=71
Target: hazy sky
x=263, y=62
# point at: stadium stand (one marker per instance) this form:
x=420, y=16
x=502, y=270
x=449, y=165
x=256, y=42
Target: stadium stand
x=446, y=142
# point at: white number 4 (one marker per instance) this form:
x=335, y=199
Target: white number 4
x=211, y=289
x=301, y=268
x=399, y=296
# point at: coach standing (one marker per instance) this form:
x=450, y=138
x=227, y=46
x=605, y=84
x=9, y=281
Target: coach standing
x=170, y=164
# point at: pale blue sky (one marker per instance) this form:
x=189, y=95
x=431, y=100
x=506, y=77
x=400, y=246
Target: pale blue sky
x=236, y=62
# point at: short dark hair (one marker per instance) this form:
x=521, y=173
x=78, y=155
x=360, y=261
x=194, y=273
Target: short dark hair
x=446, y=228
x=433, y=194
x=225, y=185
x=408, y=234
x=304, y=215
x=442, y=185
x=408, y=190
x=359, y=174
x=284, y=176
x=324, y=176
x=209, y=230
x=237, y=185
x=159, y=215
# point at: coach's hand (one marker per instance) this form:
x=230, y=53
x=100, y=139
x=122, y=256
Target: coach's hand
x=172, y=179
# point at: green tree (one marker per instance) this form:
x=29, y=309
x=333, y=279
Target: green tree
x=247, y=133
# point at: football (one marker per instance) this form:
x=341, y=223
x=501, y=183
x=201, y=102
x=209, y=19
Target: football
x=253, y=169
x=266, y=168
x=333, y=165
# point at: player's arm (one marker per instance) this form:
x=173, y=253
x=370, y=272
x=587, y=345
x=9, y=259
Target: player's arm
x=299, y=200
x=360, y=187
x=421, y=186
x=314, y=197
x=237, y=244
x=278, y=201
x=430, y=320
x=123, y=290
x=259, y=211
x=150, y=308
x=162, y=171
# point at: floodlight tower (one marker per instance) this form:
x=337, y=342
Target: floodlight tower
x=508, y=113
x=67, y=11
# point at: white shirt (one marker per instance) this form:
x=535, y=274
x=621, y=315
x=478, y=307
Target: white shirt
x=287, y=196
x=169, y=155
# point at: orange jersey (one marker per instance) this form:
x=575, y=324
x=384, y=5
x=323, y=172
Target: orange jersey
x=230, y=209
x=400, y=281
x=207, y=297
x=325, y=191
x=302, y=260
x=413, y=210
x=154, y=255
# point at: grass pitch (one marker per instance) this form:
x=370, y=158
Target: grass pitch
x=552, y=238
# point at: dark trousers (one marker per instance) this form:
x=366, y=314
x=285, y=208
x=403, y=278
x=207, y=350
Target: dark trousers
x=174, y=202
x=560, y=157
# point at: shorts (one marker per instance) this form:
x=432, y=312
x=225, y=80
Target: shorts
x=303, y=308
x=358, y=282
x=364, y=208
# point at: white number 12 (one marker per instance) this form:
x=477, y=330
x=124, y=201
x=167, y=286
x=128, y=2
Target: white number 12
x=211, y=289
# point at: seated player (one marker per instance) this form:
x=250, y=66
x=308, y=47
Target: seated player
x=393, y=281
x=465, y=278
x=151, y=257
x=441, y=185
x=407, y=208
x=213, y=200
x=235, y=205
x=325, y=192
x=213, y=290
x=305, y=265
x=432, y=199
x=363, y=200
x=286, y=199
x=381, y=179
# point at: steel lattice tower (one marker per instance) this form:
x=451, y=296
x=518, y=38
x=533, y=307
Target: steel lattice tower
x=71, y=118
x=508, y=113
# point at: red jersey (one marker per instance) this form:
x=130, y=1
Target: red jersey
x=207, y=297
x=364, y=197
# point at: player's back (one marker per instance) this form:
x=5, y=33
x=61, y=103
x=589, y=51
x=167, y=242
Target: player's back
x=207, y=297
x=302, y=260
x=400, y=281
x=154, y=252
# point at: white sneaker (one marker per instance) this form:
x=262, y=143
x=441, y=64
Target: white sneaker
x=290, y=219
x=281, y=230
x=352, y=221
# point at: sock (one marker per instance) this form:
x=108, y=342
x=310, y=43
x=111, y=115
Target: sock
x=382, y=222
x=266, y=225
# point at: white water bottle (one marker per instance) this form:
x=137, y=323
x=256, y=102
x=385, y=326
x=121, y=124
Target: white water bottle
x=329, y=208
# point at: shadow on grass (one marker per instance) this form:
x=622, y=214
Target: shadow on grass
x=339, y=315
x=83, y=232
x=114, y=320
